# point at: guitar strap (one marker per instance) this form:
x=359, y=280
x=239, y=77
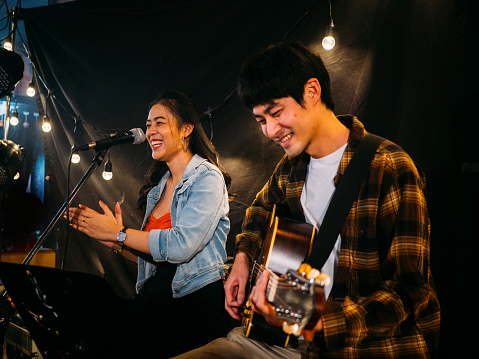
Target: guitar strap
x=344, y=196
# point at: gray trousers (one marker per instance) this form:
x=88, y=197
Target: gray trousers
x=237, y=346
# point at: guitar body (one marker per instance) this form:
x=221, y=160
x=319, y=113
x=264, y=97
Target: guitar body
x=286, y=245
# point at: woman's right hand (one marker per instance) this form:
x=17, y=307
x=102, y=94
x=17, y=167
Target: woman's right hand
x=103, y=227
x=235, y=286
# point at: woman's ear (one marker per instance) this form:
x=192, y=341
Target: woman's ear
x=187, y=129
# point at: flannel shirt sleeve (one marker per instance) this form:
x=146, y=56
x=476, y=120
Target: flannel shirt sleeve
x=255, y=223
x=401, y=299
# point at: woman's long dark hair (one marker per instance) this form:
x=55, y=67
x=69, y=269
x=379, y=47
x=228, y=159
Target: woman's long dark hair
x=184, y=110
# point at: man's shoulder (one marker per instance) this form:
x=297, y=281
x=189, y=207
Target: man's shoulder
x=396, y=159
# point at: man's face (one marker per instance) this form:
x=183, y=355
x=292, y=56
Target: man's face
x=287, y=123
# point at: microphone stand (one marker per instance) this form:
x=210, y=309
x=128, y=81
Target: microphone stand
x=100, y=155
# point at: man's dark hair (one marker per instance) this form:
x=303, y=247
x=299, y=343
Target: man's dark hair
x=280, y=71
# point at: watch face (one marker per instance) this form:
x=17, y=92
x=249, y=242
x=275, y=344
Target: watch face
x=120, y=237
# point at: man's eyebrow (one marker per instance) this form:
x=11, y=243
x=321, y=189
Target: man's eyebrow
x=268, y=108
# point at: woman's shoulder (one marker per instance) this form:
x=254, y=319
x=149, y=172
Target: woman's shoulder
x=201, y=167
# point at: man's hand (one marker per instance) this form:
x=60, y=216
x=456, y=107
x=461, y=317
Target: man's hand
x=235, y=286
x=259, y=303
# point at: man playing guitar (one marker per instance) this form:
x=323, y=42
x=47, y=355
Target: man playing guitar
x=381, y=302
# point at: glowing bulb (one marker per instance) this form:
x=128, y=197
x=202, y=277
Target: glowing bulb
x=107, y=173
x=30, y=90
x=17, y=176
x=76, y=158
x=328, y=42
x=8, y=45
x=46, y=127
x=14, y=118
x=13, y=121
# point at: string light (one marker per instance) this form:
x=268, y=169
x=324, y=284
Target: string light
x=76, y=158
x=8, y=44
x=46, y=125
x=31, y=90
x=14, y=118
x=328, y=41
x=107, y=173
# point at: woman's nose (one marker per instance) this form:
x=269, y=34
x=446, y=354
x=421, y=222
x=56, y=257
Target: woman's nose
x=151, y=129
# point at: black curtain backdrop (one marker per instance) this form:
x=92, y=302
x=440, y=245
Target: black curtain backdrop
x=405, y=68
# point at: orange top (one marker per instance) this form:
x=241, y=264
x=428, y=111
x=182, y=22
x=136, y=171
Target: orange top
x=164, y=222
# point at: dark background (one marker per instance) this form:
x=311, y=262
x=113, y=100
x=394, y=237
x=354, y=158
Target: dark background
x=406, y=68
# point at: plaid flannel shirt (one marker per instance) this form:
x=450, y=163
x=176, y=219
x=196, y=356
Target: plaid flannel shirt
x=383, y=303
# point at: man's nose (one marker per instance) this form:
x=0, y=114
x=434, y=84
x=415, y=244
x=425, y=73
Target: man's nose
x=272, y=128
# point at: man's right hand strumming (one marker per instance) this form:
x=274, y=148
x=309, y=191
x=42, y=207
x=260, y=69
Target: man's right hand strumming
x=235, y=286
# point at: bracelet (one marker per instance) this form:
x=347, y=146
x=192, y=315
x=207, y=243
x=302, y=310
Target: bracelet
x=118, y=251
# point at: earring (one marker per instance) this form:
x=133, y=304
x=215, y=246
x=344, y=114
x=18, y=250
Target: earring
x=183, y=141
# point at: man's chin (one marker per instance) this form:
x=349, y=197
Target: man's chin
x=292, y=152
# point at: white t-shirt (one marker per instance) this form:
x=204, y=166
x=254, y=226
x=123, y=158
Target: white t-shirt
x=315, y=198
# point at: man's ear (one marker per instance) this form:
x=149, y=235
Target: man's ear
x=312, y=91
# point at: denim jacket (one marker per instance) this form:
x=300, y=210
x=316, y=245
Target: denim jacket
x=200, y=225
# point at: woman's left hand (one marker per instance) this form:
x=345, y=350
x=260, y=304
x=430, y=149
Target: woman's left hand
x=103, y=227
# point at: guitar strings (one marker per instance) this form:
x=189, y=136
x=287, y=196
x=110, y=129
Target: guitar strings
x=274, y=279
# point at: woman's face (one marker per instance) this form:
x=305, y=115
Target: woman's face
x=163, y=134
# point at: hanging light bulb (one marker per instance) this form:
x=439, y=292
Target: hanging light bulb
x=76, y=158
x=17, y=176
x=107, y=173
x=328, y=41
x=14, y=118
x=46, y=125
x=30, y=89
x=8, y=44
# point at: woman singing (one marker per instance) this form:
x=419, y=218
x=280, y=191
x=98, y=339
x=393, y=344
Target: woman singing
x=180, y=248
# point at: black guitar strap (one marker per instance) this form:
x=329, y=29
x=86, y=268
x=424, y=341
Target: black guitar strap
x=344, y=196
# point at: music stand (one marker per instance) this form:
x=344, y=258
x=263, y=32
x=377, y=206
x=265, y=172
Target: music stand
x=68, y=314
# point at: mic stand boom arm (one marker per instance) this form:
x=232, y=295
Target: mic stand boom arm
x=94, y=164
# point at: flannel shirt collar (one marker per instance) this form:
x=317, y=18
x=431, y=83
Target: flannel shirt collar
x=356, y=134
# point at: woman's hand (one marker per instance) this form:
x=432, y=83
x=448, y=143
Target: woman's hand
x=103, y=227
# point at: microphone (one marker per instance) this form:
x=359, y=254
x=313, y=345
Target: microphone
x=134, y=136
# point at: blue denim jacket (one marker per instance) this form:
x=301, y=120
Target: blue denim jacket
x=200, y=225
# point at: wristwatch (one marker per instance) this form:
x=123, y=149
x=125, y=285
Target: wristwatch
x=121, y=236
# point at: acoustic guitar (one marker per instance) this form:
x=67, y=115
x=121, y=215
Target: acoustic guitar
x=296, y=295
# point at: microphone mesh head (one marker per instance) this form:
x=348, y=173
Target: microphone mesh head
x=138, y=135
